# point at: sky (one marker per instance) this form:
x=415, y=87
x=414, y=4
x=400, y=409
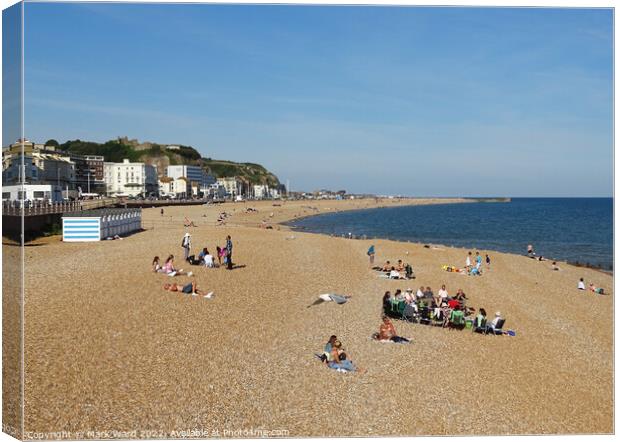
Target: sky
x=386, y=100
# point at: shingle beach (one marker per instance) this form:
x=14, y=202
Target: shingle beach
x=109, y=351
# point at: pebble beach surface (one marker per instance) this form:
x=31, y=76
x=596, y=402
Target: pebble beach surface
x=108, y=350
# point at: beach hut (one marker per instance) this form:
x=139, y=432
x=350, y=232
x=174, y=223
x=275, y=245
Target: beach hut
x=95, y=225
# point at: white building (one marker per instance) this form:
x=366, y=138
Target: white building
x=233, y=185
x=261, y=191
x=130, y=179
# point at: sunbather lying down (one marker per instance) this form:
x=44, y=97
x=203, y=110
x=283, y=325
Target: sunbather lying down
x=328, y=297
x=189, y=289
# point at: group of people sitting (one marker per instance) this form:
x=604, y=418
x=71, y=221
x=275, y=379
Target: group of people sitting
x=205, y=258
x=400, y=270
x=443, y=310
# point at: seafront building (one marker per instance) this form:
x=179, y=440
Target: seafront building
x=130, y=179
x=234, y=186
x=42, y=165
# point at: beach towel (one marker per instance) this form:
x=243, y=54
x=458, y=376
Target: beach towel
x=400, y=340
x=338, y=299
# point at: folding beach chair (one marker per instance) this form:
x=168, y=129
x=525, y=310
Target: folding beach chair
x=480, y=326
x=424, y=315
x=496, y=330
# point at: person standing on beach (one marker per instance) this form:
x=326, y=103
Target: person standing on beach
x=478, y=261
x=229, y=247
x=162, y=211
x=371, y=255
x=186, y=243
x=488, y=259
x=468, y=261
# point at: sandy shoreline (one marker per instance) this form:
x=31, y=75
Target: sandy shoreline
x=107, y=348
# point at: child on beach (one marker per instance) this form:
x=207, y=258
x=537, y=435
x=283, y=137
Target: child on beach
x=581, y=285
x=156, y=267
x=169, y=269
x=488, y=259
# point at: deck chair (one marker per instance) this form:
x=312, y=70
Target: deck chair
x=424, y=315
x=409, y=313
x=480, y=326
x=497, y=330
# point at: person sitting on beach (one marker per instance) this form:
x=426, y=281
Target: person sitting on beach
x=169, y=269
x=201, y=255
x=398, y=295
x=446, y=313
x=428, y=293
x=530, y=250
x=420, y=293
x=400, y=266
x=442, y=294
x=554, y=266
x=409, y=298
x=581, y=285
x=387, y=266
x=460, y=295
x=338, y=358
x=208, y=259
x=387, y=301
x=189, y=289
x=387, y=332
x=454, y=303
x=156, y=266
x=491, y=327
x=327, y=349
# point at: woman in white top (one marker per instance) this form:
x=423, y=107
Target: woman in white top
x=420, y=293
x=442, y=293
x=208, y=260
x=581, y=285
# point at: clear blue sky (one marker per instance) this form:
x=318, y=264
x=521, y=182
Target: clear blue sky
x=410, y=100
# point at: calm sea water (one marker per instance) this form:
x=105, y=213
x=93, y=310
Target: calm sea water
x=572, y=229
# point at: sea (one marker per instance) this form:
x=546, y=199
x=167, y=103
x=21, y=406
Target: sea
x=577, y=230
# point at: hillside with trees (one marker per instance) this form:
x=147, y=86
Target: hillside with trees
x=161, y=157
